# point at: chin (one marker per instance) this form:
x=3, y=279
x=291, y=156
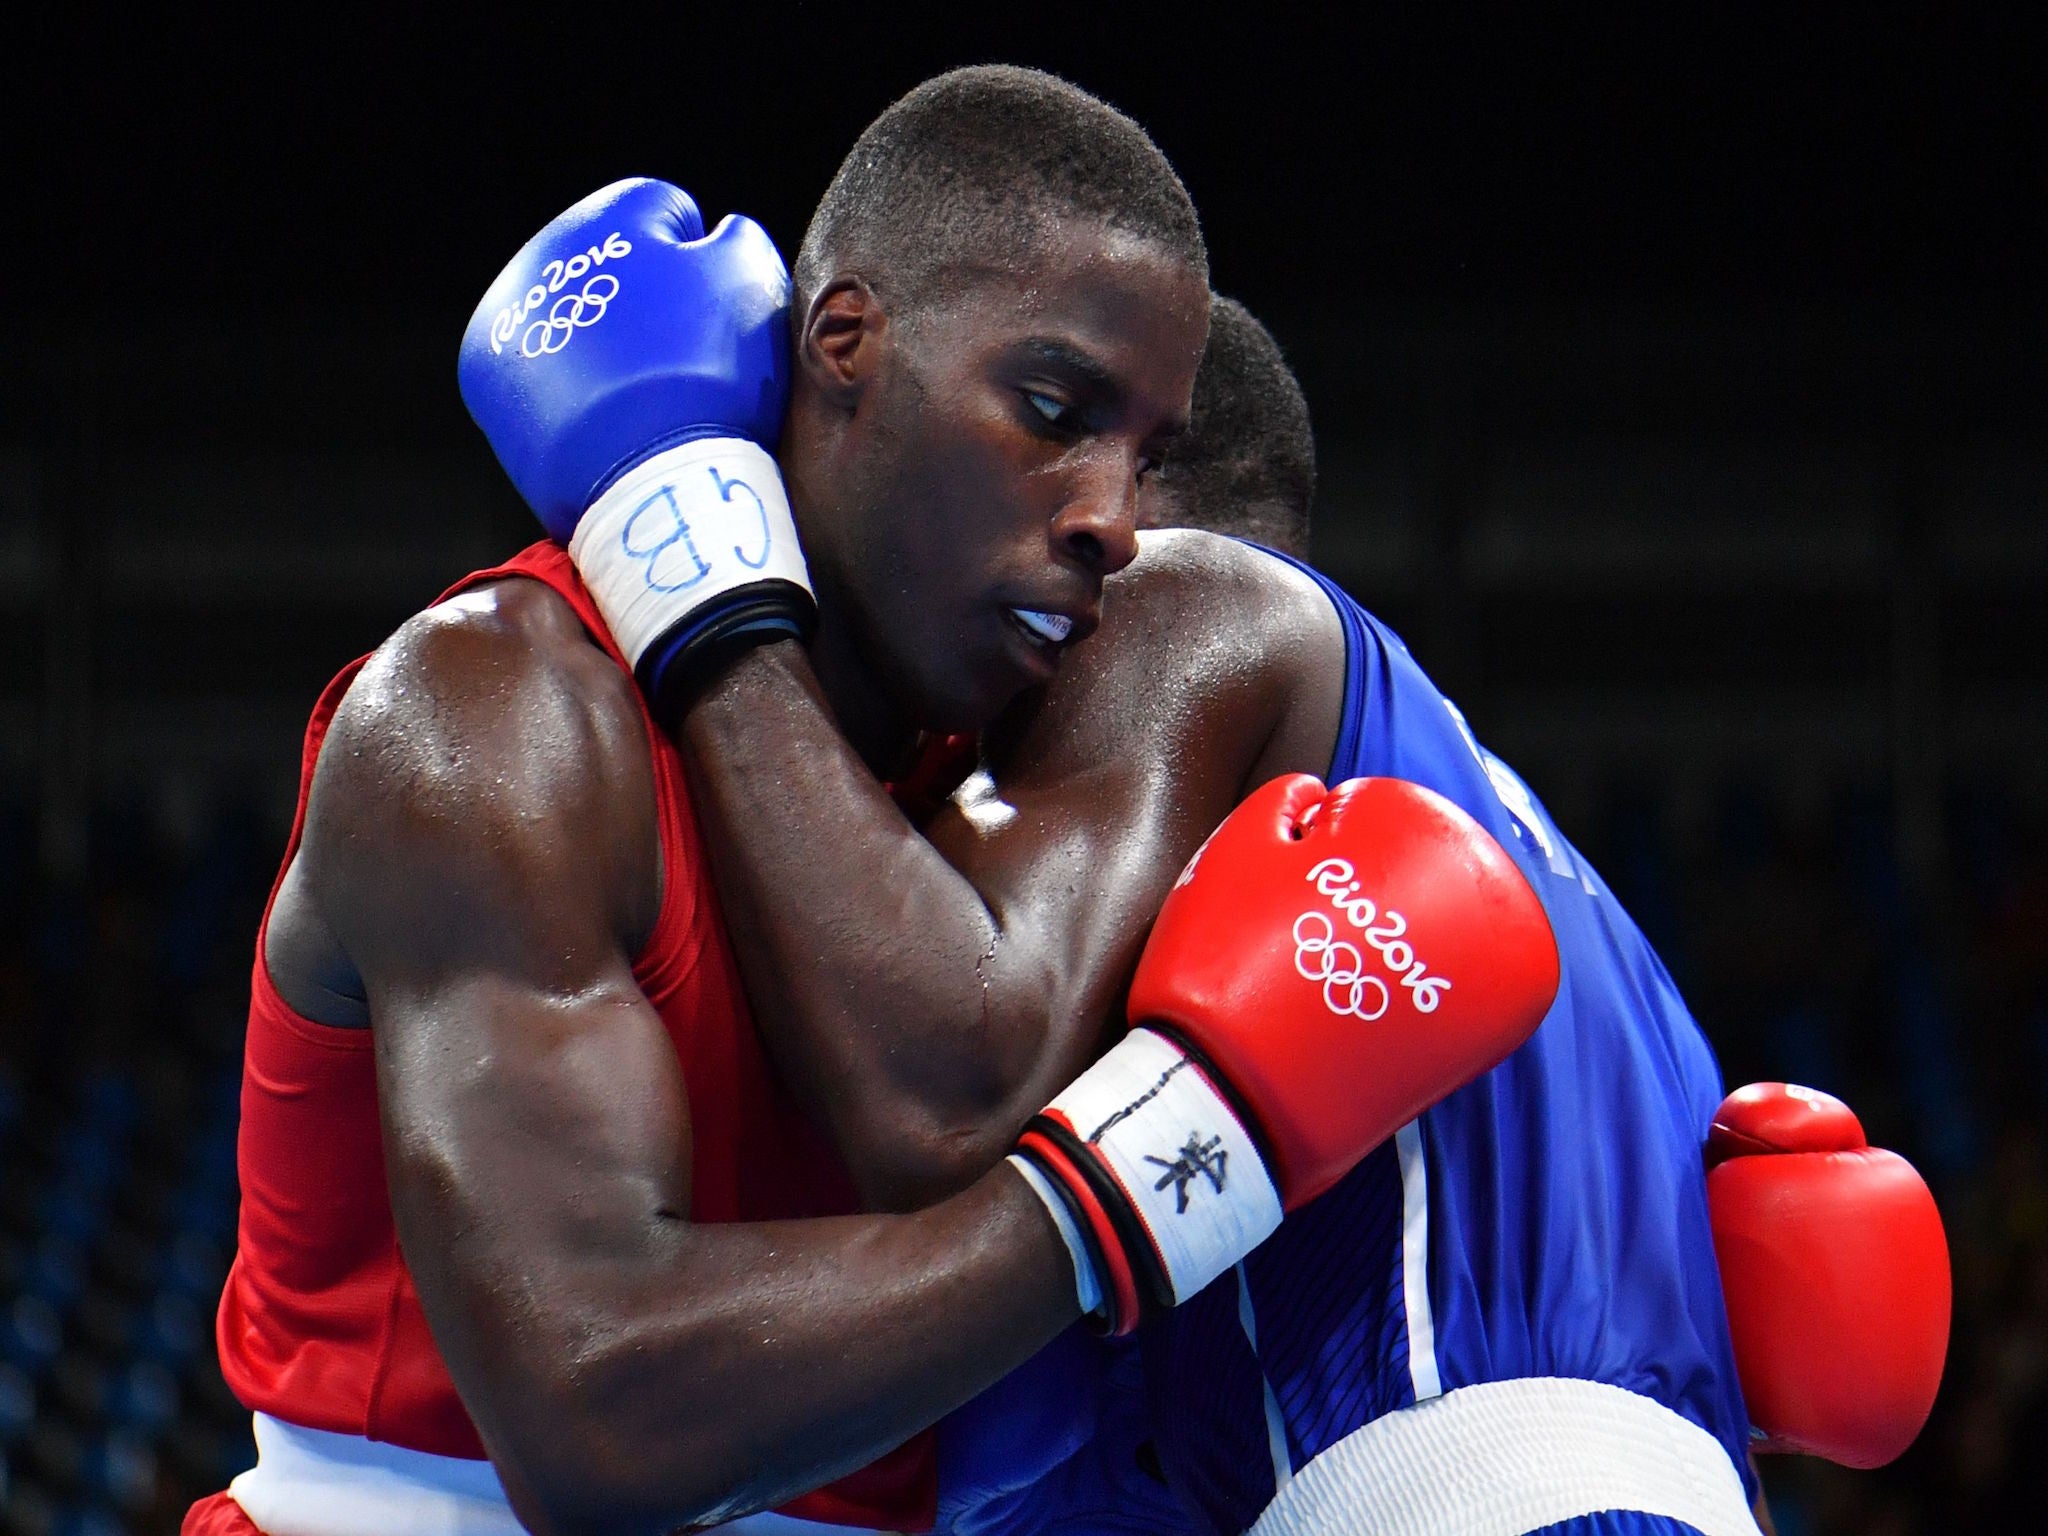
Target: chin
x=958, y=716
x=959, y=705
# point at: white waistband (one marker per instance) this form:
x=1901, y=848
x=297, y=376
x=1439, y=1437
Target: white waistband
x=1507, y=1457
x=313, y=1482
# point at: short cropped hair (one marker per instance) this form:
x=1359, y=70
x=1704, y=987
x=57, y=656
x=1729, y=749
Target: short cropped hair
x=973, y=169
x=1247, y=463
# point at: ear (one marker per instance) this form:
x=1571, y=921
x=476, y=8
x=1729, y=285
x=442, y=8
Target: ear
x=841, y=343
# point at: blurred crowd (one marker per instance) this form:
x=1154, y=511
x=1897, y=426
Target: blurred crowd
x=122, y=998
x=1806, y=947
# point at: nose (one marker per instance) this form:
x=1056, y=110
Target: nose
x=1097, y=527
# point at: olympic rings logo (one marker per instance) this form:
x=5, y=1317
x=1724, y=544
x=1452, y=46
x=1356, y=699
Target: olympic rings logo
x=570, y=313
x=1381, y=930
x=559, y=325
x=1319, y=955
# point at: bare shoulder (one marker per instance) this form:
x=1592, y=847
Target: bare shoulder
x=484, y=798
x=1227, y=596
x=1194, y=560
x=1215, y=640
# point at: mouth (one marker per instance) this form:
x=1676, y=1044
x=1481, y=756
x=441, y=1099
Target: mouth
x=1052, y=628
x=1038, y=639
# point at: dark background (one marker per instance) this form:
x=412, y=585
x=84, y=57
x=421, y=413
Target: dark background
x=1680, y=385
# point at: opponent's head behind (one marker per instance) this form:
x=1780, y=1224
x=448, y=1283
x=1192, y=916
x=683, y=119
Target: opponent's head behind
x=1247, y=463
x=1000, y=305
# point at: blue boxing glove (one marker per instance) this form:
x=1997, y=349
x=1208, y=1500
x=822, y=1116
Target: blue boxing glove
x=631, y=375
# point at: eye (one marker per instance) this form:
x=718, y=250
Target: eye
x=1054, y=412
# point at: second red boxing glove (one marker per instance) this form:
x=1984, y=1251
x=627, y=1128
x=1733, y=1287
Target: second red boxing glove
x=1835, y=1267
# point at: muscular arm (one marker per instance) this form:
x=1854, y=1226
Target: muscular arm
x=925, y=994
x=475, y=843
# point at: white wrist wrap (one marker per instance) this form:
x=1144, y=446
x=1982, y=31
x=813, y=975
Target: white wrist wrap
x=679, y=529
x=1087, y=1286
x=1185, y=1162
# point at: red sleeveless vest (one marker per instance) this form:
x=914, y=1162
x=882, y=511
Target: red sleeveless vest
x=319, y=1323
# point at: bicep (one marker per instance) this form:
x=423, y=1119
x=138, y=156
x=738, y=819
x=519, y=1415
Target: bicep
x=480, y=852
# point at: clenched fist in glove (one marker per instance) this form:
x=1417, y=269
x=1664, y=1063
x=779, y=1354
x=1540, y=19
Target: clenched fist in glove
x=631, y=373
x=1835, y=1268
x=1331, y=963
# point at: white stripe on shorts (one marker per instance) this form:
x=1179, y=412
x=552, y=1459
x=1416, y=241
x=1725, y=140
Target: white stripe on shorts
x=1415, y=1261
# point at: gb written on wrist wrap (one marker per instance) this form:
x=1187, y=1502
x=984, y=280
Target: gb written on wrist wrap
x=687, y=533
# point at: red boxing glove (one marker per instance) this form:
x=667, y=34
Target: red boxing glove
x=1835, y=1267
x=1330, y=964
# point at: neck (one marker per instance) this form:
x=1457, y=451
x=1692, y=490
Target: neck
x=868, y=714
x=867, y=711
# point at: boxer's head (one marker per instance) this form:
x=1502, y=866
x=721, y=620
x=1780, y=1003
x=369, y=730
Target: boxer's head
x=1247, y=462
x=1000, y=302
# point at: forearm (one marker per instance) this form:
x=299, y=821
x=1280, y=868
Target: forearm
x=896, y=996
x=721, y=1369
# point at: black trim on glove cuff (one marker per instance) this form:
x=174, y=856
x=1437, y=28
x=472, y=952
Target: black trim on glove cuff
x=678, y=665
